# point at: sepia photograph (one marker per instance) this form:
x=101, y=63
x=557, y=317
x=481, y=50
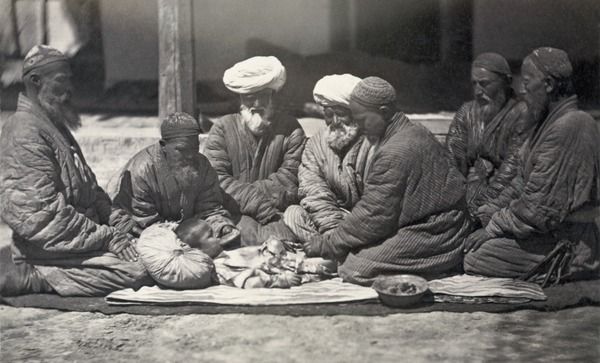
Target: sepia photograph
x=299, y=181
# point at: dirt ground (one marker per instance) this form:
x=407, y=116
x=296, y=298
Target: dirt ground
x=48, y=335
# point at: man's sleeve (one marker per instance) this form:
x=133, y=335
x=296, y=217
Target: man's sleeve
x=253, y=202
x=317, y=198
x=562, y=179
x=33, y=204
x=456, y=140
x=209, y=201
x=136, y=200
x=375, y=217
x=283, y=184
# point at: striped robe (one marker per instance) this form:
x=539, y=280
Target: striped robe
x=487, y=154
x=411, y=217
x=559, y=176
x=329, y=186
x=259, y=175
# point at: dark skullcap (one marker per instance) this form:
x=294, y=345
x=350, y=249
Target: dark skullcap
x=552, y=62
x=179, y=124
x=373, y=91
x=493, y=62
x=41, y=55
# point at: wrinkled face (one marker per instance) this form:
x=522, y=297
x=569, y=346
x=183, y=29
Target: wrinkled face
x=181, y=150
x=533, y=89
x=342, y=129
x=256, y=110
x=487, y=86
x=370, y=121
x=55, y=92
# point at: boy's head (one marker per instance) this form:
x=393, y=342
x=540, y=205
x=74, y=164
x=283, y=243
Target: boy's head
x=197, y=234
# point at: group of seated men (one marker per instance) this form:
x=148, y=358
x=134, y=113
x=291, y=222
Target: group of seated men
x=513, y=193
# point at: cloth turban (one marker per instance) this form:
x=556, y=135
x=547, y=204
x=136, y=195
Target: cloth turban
x=493, y=62
x=552, y=62
x=41, y=55
x=179, y=124
x=335, y=90
x=254, y=75
x=373, y=92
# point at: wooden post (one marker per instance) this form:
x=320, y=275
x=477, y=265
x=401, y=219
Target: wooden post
x=176, y=82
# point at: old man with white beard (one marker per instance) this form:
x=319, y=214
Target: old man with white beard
x=333, y=164
x=256, y=152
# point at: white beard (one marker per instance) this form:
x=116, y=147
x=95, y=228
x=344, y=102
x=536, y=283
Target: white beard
x=255, y=122
x=338, y=138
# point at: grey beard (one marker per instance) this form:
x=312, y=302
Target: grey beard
x=488, y=111
x=339, y=138
x=185, y=172
x=59, y=111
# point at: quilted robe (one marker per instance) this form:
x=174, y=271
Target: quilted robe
x=412, y=215
x=259, y=174
x=50, y=199
x=559, y=175
x=149, y=193
x=477, y=147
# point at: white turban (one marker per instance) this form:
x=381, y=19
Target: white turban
x=254, y=75
x=335, y=90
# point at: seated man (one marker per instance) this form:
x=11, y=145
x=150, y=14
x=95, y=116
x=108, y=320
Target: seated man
x=256, y=152
x=50, y=199
x=547, y=211
x=486, y=133
x=411, y=217
x=171, y=181
x=332, y=171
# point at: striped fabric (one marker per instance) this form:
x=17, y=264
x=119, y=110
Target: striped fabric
x=329, y=186
x=260, y=174
x=411, y=217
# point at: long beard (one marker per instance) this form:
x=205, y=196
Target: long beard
x=490, y=107
x=256, y=120
x=339, y=137
x=59, y=109
x=186, y=173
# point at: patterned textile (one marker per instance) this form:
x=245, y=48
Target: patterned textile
x=487, y=154
x=411, y=217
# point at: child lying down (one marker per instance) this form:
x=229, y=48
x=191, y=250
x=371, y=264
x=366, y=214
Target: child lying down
x=271, y=265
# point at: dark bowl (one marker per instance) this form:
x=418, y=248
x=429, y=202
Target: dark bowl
x=400, y=290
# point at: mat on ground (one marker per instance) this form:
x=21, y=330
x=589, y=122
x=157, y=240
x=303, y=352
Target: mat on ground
x=333, y=291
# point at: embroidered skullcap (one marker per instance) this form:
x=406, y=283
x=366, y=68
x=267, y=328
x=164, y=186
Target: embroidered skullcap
x=179, y=124
x=552, y=62
x=255, y=74
x=335, y=89
x=493, y=62
x=41, y=55
x=373, y=92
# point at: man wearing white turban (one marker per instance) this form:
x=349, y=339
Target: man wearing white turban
x=333, y=164
x=256, y=152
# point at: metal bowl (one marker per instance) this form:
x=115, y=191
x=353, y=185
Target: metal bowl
x=400, y=290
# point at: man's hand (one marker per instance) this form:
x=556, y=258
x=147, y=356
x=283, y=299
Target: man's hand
x=129, y=253
x=476, y=239
x=123, y=247
x=229, y=235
